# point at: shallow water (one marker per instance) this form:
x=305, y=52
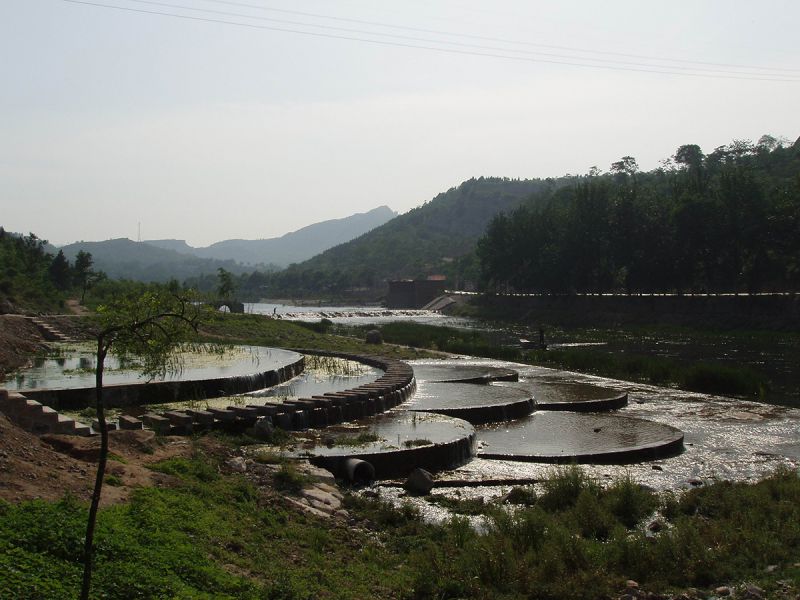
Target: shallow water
x=565, y=434
x=355, y=315
x=725, y=439
x=75, y=368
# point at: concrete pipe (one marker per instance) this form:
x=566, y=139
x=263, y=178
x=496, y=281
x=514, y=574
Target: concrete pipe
x=358, y=471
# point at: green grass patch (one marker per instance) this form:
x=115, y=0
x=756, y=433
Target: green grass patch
x=216, y=537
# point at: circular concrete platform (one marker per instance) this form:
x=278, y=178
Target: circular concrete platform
x=450, y=373
x=575, y=397
x=405, y=441
x=477, y=404
x=563, y=437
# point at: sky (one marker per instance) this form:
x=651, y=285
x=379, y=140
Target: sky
x=207, y=120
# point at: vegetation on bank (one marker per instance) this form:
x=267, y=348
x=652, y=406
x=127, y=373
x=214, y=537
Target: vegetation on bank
x=33, y=279
x=706, y=377
x=211, y=535
x=720, y=222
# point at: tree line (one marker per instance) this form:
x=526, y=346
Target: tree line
x=31, y=277
x=727, y=221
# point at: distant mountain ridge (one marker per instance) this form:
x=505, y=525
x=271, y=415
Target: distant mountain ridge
x=292, y=247
x=438, y=237
x=162, y=260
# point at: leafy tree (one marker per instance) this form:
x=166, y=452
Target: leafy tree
x=60, y=272
x=151, y=327
x=85, y=277
x=225, y=283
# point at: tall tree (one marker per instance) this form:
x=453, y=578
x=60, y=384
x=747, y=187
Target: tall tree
x=84, y=275
x=60, y=271
x=225, y=284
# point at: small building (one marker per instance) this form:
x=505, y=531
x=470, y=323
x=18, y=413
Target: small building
x=414, y=293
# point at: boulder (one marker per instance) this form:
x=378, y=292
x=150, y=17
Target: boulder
x=374, y=337
x=263, y=429
x=419, y=482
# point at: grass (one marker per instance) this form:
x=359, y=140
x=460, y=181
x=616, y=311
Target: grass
x=710, y=378
x=213, y=535
x=259, y=330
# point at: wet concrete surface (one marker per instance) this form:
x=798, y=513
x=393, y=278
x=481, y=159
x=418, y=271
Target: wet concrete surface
x=399, y=442
x=435, y=373
x=724, y=439
x=570, y=396
x=565, y=437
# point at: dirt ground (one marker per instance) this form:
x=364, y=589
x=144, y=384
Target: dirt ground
x=49, y=466
x=19, y=339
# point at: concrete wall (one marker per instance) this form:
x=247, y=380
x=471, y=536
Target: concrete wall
x=416, y=293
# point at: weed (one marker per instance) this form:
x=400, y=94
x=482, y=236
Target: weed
x=417, y=442
x=113, y=480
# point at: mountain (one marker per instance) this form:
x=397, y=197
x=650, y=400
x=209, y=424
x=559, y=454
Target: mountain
x=438, y=237
x=293, y=247
x=125, y=259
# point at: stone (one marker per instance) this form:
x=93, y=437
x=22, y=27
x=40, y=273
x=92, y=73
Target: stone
x=373, y=337
x=771, y=569
x=631, y=584
x=656, y=526
x=237, y=464
x=419, y=482
x=722, y=590
x=657, y=468
x=129, y=423
x=753, y=592
x=263, y=429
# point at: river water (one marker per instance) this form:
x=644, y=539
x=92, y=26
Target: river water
x=775, y=355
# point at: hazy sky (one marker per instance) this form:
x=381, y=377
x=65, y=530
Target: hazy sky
x=205, y=130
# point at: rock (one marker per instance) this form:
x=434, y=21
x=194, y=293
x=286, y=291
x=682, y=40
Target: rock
x=237, y=464
x=722, y=590
x=318, y=474
x=771, y=569
x=657, y=467
x=263, y=429
x=373, y=337
x=695, y=481
x=753, y=592
x=656, y=526
x=631, y=584
x=419, y=482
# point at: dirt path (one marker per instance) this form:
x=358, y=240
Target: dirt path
x=75, y=307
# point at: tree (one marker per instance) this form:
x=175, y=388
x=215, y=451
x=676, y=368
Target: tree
x=85, y=277
x=152, y=327
x=225, y=284
x=59, y=271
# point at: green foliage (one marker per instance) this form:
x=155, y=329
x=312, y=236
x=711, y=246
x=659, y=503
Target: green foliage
x=30, y=277
x=721, y=379
x=213, y=537
x=725, y=222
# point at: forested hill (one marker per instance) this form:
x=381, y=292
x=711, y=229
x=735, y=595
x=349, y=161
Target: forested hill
x=434, y=238
x=125, y=259
x=728, y=221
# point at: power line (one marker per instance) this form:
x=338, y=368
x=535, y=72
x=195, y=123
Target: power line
x=434, y=41
x=656, y=69
x=494, y=39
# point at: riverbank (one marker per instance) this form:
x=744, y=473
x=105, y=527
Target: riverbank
x=212, y=524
